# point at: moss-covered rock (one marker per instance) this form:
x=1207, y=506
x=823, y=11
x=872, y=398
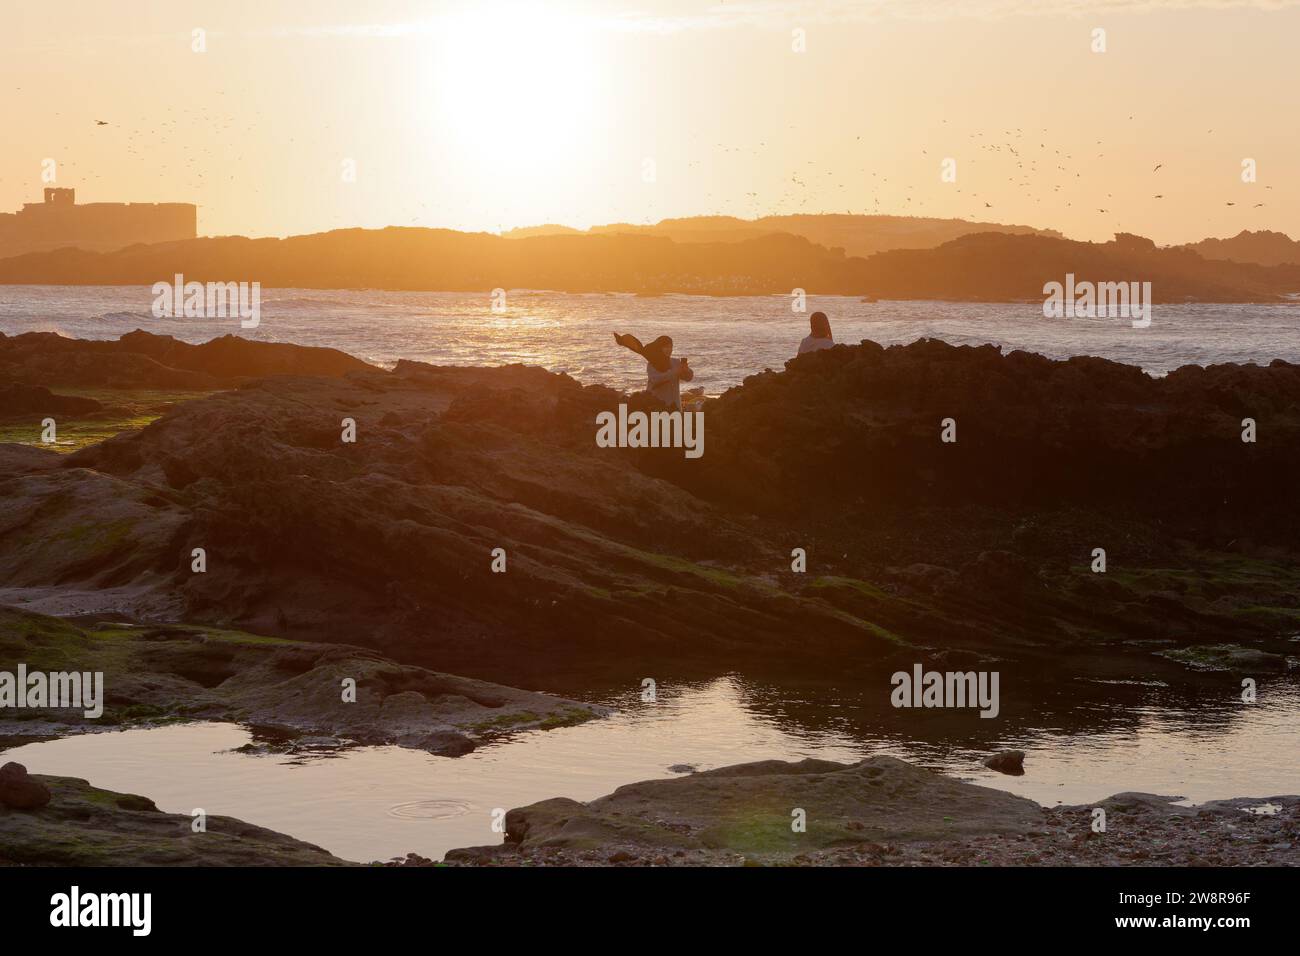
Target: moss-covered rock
x=770, y=811
x=286, y=689
x=85, y=826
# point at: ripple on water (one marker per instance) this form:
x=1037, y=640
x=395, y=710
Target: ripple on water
x=430, y=809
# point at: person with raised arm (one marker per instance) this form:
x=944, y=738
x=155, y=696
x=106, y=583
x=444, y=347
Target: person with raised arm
x=664, y=374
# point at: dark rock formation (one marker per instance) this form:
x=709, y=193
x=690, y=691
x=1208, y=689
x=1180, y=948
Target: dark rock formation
x=389, y=540
x=1010, y=762
x=290, y=693
x=141, y=360
x=21, y=791
x=84, y=826
x=772, y=810
x=879, y=812
x=1264, y=247
x=984, y=544
x=862, y=425
x=34, y=400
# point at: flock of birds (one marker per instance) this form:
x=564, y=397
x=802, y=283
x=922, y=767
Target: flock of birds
x=138, y=145
x=1036, y=167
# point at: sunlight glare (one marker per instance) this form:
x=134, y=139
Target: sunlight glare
x=516, y=93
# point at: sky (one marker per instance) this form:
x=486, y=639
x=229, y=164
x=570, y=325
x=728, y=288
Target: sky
x=280, y=118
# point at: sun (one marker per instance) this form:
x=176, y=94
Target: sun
x=512, y=91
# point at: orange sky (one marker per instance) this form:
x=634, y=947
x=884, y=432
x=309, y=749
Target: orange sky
x=493, y=115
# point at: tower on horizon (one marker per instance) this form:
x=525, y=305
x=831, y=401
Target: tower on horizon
x=56, y=196
x=59, y=223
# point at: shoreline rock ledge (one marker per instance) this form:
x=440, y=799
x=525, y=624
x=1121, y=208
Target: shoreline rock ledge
x=881, y=811
x=81, y=825
x=771, y=811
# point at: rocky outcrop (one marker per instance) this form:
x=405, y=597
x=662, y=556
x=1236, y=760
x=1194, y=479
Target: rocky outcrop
x=1229, y=657
x=19, y=790
x=770, y=811
x=390, y=539
x=286, y=691
x=1011, y=762
x=141, y=360
x=26, y=400
x=879, y=812
x=860, y=427
x=1264, y=247
x=84, y=826
x=986, y=544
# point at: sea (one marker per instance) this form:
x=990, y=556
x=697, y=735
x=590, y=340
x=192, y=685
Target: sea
x=725, y=339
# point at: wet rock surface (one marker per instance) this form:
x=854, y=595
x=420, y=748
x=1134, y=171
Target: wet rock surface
x=291, y=694
x=879, y=812
x=757, y=807
x=19, y=790
x=1010, y=762
x=82, y=825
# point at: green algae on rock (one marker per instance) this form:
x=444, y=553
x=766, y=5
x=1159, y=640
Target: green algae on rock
x=85, y=826
x=285, y=689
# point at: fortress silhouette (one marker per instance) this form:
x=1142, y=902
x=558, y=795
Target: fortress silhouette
x=59, y=222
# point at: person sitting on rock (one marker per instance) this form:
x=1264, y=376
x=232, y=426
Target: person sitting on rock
x=664, y=374
x=820, y=336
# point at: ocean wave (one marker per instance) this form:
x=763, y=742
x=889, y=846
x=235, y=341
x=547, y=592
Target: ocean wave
x=345, y=301
x=142, y=316
x=295, y=302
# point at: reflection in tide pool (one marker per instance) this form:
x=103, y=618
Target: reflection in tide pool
x=380, y=802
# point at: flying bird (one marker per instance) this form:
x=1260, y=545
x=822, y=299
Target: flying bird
x=1157, y=169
